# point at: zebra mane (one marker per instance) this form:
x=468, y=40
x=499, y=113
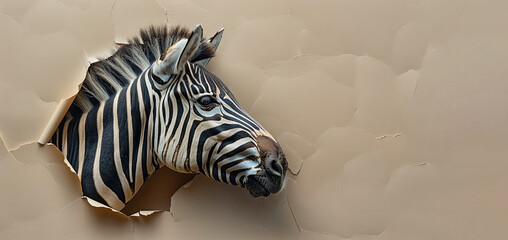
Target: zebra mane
x=110, y=75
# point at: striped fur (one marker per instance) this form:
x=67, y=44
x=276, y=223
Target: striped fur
x=124, y=124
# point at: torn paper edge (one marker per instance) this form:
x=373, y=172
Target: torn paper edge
x=56, y=118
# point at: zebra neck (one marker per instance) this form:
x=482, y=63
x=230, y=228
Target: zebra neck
x=110, y=146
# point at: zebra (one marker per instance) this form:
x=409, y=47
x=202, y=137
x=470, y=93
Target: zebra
x=152, y=103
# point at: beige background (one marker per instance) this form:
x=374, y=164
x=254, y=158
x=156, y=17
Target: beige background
x=392, y=115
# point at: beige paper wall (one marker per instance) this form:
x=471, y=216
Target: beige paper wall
x=393, y=116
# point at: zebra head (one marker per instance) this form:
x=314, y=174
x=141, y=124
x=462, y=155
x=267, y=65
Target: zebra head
x=203, y=129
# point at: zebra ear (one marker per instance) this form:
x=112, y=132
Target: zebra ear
x=173, y=60
x=214, y=42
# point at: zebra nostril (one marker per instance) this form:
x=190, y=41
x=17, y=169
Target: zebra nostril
x=274, y=168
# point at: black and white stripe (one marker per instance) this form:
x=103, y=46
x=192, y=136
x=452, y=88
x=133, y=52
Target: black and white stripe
x=110, y=146
x=120, y=130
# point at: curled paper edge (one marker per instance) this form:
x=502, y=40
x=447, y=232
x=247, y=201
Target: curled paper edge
x=55, y=119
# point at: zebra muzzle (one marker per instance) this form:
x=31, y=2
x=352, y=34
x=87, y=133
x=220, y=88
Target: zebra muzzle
x=274, y=166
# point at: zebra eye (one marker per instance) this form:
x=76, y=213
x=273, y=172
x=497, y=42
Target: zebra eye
x=207, y=102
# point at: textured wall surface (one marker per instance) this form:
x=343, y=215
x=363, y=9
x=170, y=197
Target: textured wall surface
x=392, y=115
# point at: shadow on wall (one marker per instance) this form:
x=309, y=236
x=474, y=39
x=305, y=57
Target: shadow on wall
x=156, y=192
